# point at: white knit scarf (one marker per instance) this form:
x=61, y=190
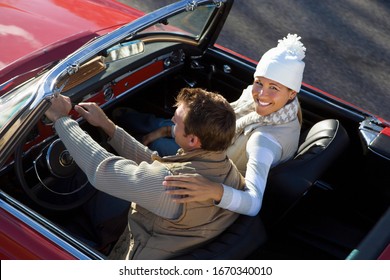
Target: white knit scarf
x=248, y=119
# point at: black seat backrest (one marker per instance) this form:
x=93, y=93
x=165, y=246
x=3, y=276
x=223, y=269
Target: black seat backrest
x=289, y=181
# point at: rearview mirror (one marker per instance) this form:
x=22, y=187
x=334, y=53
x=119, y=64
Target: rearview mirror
x=124, y=50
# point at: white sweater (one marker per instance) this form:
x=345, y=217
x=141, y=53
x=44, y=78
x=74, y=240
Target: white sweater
x=254, y=154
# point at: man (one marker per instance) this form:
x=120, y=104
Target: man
x=158, y=228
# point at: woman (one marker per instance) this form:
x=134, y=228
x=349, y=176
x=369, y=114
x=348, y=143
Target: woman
x=267, y=132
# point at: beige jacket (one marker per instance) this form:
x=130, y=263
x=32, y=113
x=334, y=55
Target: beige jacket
x=154, y=237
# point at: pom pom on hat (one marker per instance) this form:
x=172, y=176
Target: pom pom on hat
x=284, y=64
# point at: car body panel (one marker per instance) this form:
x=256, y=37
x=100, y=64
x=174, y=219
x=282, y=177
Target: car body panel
x=40, y=29
x=21, y=242
x=385, y=255
x=25, y=235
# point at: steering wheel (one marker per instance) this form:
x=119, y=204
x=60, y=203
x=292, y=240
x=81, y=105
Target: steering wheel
x=51, y=178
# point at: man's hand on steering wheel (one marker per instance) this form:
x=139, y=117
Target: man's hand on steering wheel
x=60, y=107
x=93, y=114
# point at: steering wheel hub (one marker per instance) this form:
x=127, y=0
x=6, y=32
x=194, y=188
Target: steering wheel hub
x=59, y=161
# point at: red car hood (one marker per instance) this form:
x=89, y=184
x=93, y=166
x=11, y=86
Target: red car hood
x=34, y=33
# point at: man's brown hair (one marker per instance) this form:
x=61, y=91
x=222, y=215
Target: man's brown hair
x=209, y=116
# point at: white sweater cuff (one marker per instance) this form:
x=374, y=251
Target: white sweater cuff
x=227, y=197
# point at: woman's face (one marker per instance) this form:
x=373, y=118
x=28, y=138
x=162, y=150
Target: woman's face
x=270, y=96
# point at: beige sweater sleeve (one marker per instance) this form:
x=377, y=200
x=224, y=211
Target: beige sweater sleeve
x=132, y=180
x=128, y=147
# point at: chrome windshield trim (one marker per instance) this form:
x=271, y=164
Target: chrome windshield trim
x=51, y=232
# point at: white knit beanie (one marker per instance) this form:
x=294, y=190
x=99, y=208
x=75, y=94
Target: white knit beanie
x=284, y=64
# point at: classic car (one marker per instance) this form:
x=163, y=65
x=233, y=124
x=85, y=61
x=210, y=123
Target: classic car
x=331, y=201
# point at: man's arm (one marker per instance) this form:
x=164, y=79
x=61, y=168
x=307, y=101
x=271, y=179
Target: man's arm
x=129, y=147
x=115, y=175
x=124, y=144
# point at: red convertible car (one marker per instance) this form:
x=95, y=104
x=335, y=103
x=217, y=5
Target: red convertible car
x=331, y=201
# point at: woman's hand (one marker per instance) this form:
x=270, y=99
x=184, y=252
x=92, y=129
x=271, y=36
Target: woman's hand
x=93, y=114
x=193, y=188
x=154, y=135
x=164, y=131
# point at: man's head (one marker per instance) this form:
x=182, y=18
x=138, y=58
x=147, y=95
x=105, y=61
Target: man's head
x=203, y=120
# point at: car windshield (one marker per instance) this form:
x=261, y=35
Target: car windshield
x=191, y=23
x=13, y=102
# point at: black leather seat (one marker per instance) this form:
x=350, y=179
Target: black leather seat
x=290, y=181
x=237, y=242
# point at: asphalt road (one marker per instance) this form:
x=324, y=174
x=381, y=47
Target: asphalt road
x=347, y=42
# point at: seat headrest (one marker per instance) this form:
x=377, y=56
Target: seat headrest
x=321, y=134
